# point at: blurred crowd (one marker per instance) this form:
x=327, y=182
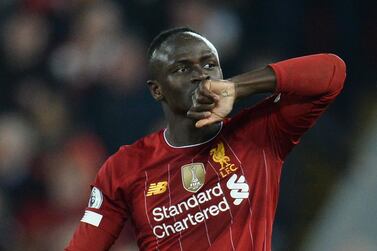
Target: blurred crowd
x=72, y=90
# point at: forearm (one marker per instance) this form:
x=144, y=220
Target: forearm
x=256, y=81
x=312, y=75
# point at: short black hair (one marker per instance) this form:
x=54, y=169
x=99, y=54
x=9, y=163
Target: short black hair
x=164, y=35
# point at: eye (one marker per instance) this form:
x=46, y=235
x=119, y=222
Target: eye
x=209, y=66
x=181, y=69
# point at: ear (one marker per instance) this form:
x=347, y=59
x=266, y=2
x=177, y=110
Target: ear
x=155, y=89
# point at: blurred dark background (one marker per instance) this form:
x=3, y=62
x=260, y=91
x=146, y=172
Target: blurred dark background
x=72, y=90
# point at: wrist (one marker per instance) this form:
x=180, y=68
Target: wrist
x=257, y=81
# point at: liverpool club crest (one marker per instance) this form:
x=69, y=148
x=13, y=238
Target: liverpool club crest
x=193, y=176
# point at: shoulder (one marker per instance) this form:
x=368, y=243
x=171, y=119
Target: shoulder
x=128, y=160
x=145, y=145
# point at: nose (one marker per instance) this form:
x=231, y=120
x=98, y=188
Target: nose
x=199, y=75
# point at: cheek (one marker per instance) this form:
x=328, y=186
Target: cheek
x=216, y=74
x=177, y=94
x=178, y=86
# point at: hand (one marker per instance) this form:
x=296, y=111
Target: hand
x=212, y=101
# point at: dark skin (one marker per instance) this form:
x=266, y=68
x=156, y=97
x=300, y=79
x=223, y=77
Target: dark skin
x=188, y=80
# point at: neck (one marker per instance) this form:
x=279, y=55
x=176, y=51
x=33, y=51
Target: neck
x=181, y=131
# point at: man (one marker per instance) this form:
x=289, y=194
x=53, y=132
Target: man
x=207, y=182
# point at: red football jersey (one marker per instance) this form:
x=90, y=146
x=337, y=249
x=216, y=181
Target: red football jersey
x=218, y=195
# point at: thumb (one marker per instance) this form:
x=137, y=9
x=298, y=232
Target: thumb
x=207, y=121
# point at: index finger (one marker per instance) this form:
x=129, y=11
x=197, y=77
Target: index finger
x=205, y=90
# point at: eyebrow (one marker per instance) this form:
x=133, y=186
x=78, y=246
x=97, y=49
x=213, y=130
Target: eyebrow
x=186, y=60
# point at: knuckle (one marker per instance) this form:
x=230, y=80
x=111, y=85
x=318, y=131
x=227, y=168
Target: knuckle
x=203, y=90
x=192, y=109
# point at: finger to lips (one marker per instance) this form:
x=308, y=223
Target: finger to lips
x=205, y=90
x=205, y=100
x=202, y=107
x=205, y=94
x=199, y=97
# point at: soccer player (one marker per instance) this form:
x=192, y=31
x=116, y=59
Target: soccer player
x=207, y=182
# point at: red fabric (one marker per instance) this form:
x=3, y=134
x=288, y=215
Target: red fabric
x=307, y=86
x=252, y=147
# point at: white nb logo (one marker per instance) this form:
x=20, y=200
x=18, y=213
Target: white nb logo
x=239, y=188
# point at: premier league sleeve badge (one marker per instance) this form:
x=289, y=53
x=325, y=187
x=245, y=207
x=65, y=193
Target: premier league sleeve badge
x=96, y=198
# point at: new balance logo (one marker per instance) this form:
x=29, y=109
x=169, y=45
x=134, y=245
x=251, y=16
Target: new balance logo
x=239, y=188
x=157, y=188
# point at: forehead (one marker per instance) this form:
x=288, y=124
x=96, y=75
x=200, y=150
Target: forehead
x=187, y=45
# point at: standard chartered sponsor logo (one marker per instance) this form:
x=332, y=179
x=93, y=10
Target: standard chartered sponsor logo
x=239, y=189
x=162, y=213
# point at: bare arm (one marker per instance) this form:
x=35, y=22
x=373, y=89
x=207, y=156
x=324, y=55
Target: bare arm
x=257, y=81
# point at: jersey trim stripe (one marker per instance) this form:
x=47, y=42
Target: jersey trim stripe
x=192, y=161
x=180, y=232
x=231, y=238
x=248, y=198
x=230, y=210
x=146, y=209
x=218, y=178
x=206, y=227
x=188, y=146
x=265, y=227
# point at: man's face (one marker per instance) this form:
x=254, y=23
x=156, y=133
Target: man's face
x=183, y=62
